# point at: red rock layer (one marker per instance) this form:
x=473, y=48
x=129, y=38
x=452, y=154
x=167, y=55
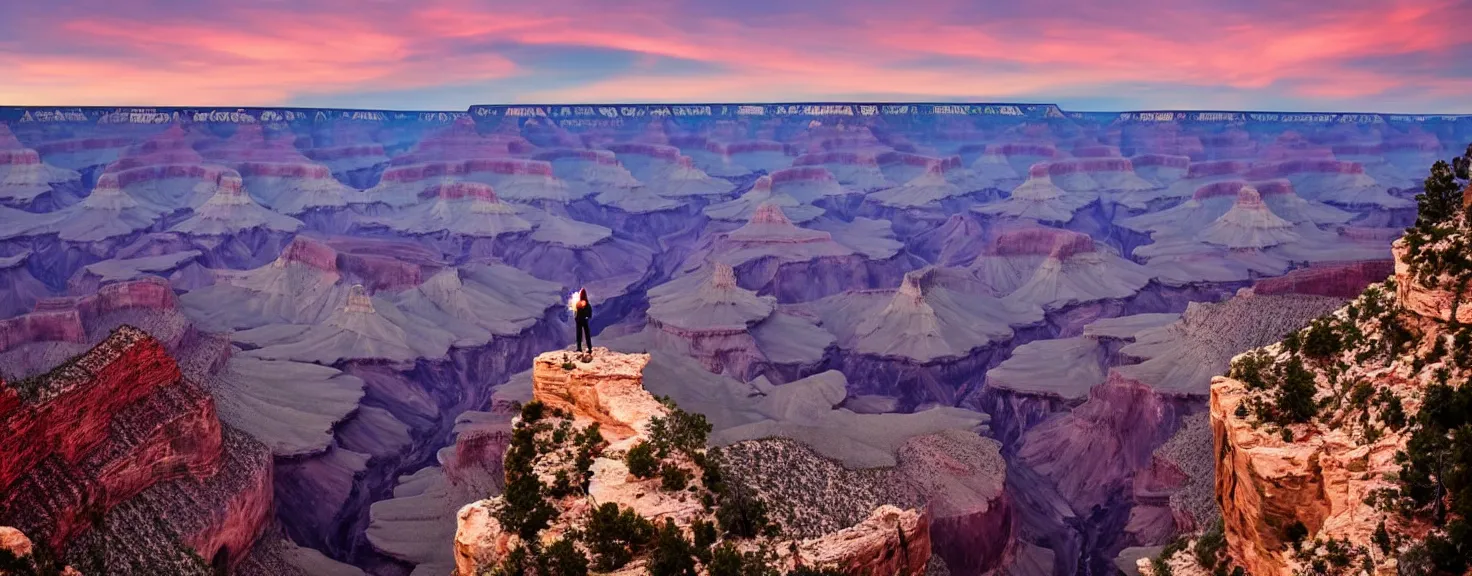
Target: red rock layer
x=1229, y=188
x=65, y=319
x=1280, y=169
x=1338, y=280
x=1216, y=168
x=312, y=253
x=1183, y=162
x=656, y=151
x=854, y=158
x=502, y=166
x=100, y=429
x=1042, y=241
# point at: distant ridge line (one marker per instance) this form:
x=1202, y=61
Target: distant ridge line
x=817, y=109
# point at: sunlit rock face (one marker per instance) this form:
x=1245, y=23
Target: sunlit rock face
x=609, y=390
x=1320, y=473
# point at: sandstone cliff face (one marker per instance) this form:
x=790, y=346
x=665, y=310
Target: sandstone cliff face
x=609, y=391
x=1435, y=303
x=1321, y=474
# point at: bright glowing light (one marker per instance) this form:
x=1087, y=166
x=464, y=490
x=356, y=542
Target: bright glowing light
x=572, y=301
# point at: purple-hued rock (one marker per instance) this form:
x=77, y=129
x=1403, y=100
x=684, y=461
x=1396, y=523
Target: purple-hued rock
x=19, y=290
x=276, y=174
x=1039, y=199
x=182, y=270
x=667, y=172
x=773, y=256
x=744, y=207
x=731, y=330
x=165, y=170
x=28, y=183
x=924, y=341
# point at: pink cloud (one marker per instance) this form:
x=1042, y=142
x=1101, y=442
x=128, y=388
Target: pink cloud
x=265, y=56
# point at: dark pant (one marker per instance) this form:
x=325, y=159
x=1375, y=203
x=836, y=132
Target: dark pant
x=584, y=333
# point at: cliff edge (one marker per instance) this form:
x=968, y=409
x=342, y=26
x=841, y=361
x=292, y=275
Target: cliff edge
x=602, y=474
x=1342, y=449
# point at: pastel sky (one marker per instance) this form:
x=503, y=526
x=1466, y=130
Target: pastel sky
x=1412, y=56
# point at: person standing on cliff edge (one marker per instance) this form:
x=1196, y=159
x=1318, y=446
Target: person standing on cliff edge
x=583, y=315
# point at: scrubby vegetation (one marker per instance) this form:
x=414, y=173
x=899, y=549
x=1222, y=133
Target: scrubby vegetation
x=545, y=443
x=1361, y=370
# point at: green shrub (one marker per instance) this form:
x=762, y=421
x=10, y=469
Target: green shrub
x=1295, y=533
x=705, y=536
x=1441, y=198
x=673, y=555
x=1360, y=396
x=641, y=460
x=1292, y=342
x=741, y=514
x=1295, y=402
x=1382, y=538
x=678, y=431
x=1323, y=340
x=1250, y=368
x=1162, y=568
x=532, y=412
x=518, y=562
x=1210, y=543
x=673, y=478
x=615, y=536
x=1392, y=413
x=1338, y=553
x=562, y=558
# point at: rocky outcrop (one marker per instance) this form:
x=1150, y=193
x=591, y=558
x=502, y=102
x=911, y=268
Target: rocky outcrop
x=1335, y=280
x=19, y=290
x=28, y=183
x=731, y=330
x=773, y=256
x=127, y=438
x=608, y=390
x=1321, y=476
x=1438, y=303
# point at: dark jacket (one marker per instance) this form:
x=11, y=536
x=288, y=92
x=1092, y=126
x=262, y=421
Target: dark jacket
x=585, y=311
